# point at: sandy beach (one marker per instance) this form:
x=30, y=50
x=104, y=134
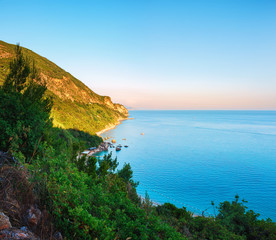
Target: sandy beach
x=111, y=126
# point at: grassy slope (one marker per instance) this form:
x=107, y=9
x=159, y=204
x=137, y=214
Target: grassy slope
x=75, y=105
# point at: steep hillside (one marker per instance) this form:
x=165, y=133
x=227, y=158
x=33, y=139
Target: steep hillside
x=75, y=105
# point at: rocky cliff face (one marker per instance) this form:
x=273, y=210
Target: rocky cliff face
x=66, y=89
x=67, y=92
x=115, y=106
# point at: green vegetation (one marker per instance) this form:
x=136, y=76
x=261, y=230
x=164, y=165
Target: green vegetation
x=89, y=118
x=25, y=112
x=89, y=198
x=75, y=106
x=91, y=201
x=232, y=222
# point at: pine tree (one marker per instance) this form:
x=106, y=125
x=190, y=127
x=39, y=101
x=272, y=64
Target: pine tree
x=19, y=72
x=25, y=111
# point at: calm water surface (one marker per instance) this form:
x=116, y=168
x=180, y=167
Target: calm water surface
x=190, y=158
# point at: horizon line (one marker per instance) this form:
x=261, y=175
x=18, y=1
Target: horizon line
x=140, y=109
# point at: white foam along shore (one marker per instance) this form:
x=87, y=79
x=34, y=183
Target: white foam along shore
x=111, y=126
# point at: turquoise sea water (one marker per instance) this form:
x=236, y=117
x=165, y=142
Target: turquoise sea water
x=190, y=158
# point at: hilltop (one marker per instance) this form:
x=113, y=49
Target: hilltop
x=75, y=105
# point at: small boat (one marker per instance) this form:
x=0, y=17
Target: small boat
x=118, y=149
x=126, y=146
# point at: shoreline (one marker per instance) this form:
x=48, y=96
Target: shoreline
x=103, y=146
x=111, y=126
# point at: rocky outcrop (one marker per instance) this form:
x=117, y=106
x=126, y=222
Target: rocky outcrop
x=19, y=234
x=8, y=232
x=57, y=236
x=103, y=147
x=115, y=106
x=20, y=215
x=67, y=89
x=120, y=108
x=4, y=221
x=33, y=216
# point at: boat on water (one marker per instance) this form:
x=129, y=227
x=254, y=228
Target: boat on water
x=126, y=146
x=118, y=149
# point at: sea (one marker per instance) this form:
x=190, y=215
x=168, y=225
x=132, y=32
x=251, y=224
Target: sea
x=190, y=158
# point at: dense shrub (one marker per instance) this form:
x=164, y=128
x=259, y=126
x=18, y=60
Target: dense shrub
x=89, y=204
x=234, y=216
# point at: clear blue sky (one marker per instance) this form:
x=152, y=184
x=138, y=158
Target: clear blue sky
x=156, y=54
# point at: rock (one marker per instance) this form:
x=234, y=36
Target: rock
x=14, y=233
x=57, y=236
x=4, y=221
x=103, y=146
x=24, y=229
x=6, y=158
x=33, y=216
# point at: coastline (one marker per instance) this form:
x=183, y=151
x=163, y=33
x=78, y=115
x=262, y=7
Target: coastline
x=104, y=145
x=111, y=126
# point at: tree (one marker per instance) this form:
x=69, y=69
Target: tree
x=245, y=223
x=19, y=72
x=107, y=165
x=25, y=111
x=126, y=174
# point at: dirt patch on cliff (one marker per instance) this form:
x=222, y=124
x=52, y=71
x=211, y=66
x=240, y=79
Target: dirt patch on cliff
x=3, y=53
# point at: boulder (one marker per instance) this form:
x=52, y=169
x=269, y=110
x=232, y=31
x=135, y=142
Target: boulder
x=19, y=234
x=33, y=216
x=57, y=236
x=4, y=221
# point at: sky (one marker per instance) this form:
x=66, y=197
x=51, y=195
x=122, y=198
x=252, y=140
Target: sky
x=186, y=54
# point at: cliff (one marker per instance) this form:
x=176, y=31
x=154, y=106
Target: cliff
x=75, y=105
